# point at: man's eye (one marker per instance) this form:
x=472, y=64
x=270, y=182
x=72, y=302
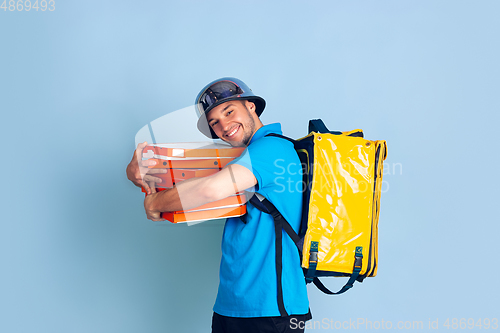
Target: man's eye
x=229, y=113
x=214, y=123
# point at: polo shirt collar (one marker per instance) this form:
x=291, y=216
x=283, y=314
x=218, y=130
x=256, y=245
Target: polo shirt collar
x=264, y=130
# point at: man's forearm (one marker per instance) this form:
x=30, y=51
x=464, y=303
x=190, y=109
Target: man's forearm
x=195, y=192
x=167, y=201
x=189, y=194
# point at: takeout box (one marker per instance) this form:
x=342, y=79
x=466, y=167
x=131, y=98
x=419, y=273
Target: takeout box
x=191, y=160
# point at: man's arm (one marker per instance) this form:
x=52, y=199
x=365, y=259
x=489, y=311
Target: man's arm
x=195, y=192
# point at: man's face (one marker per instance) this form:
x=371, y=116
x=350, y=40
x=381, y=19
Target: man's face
x=233, y=122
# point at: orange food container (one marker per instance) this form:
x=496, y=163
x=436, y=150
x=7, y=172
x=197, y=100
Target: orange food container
x=190, y=160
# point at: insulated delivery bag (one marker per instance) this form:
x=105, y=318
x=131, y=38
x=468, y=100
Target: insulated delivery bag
x=338, y=234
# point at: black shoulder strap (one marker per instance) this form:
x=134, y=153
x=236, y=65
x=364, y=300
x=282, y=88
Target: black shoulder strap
x=280, y=223
x=266, y=206
x=282, y=137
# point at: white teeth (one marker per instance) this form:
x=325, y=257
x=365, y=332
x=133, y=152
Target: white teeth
x=233, y=131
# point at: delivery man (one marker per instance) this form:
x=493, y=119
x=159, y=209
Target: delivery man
x=250, y=297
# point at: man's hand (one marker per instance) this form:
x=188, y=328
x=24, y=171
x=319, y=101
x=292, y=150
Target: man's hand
x=139, y=173
x=151, y=213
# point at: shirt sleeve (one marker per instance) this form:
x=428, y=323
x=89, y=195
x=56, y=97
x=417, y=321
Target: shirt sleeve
x=265, y=158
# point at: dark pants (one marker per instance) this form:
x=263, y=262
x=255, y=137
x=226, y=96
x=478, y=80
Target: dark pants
x=290, y=324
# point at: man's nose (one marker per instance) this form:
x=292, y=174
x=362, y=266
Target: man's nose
x=224, y=124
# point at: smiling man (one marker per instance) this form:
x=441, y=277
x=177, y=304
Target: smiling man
x=255, y=294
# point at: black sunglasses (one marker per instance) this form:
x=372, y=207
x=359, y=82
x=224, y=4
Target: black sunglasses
x=217, y=92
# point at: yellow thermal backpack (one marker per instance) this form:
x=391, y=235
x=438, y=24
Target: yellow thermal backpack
x=338, y=234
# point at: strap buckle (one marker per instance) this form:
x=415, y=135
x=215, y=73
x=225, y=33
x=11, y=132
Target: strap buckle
x=358, y=262
x=313, y=258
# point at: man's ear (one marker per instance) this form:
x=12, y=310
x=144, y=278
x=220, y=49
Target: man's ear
x=250, y=106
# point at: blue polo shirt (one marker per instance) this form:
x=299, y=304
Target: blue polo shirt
x=248, y=284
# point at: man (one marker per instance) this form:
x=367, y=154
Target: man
x=250, y=297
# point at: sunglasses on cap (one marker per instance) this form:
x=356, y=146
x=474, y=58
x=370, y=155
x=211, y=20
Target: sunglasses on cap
x=217, y=92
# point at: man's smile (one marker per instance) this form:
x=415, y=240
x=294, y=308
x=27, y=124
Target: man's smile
x=233, y=131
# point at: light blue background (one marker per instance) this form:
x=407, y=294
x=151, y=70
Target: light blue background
x=76, y=251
